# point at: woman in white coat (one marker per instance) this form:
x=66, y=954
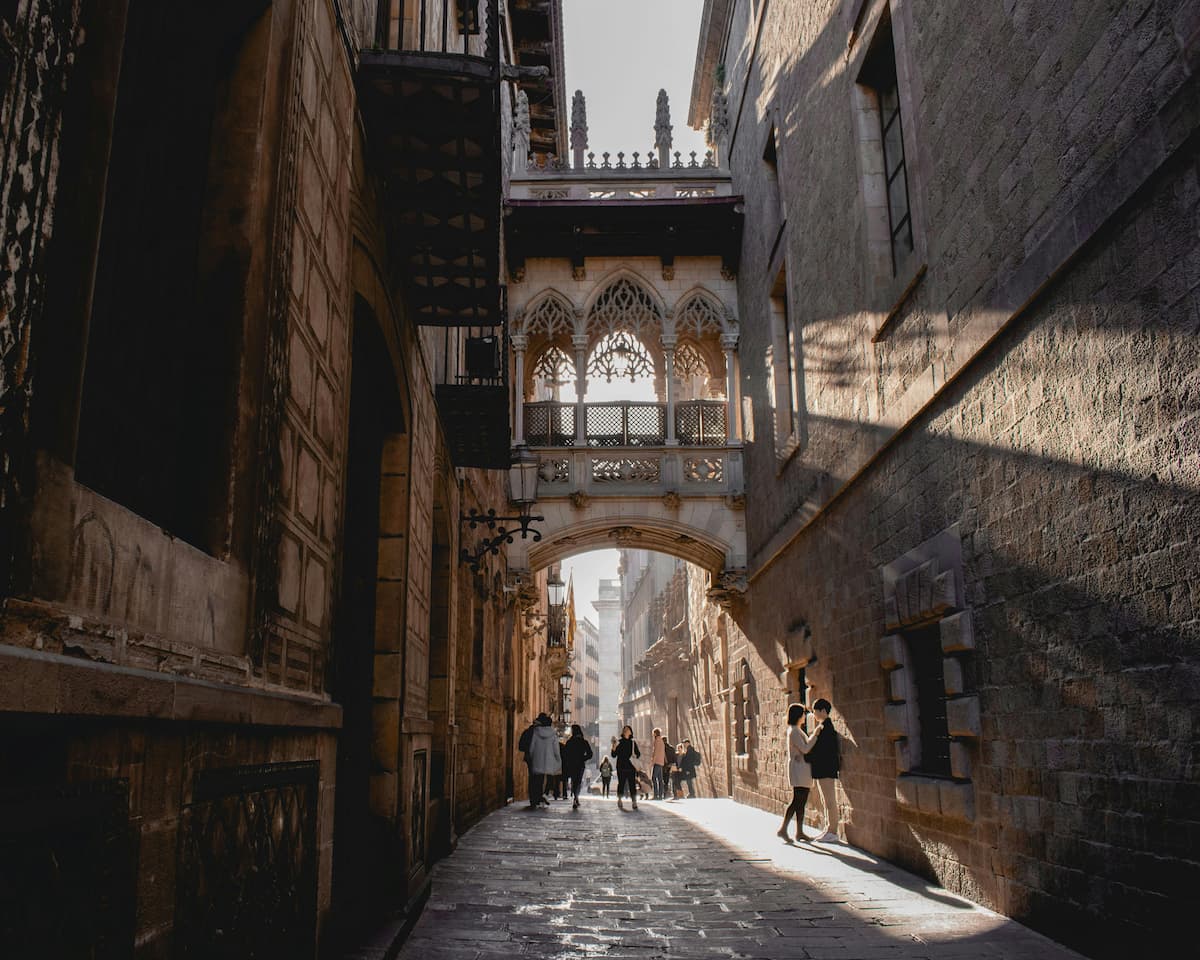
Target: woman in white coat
x=799, y=774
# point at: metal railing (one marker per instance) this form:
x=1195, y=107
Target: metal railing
x=430, y=26
x=625, y=423
x=701, y=423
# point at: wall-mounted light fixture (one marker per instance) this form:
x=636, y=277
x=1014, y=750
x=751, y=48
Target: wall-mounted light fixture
x=522, y=490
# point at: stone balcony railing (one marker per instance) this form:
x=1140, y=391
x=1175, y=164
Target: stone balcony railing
x=682, y=471
x=623, y=182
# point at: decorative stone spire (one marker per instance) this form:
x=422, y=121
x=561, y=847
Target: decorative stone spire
x=579, y=129
x=662, y=129
x=520, y=134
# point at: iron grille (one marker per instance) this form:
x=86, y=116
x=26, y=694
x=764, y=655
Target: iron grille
x=247, y=877
x=701, y=423
x=624, y=424
x=67, y=872
x=550, y=424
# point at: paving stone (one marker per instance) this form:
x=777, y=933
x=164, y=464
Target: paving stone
x=707, y=878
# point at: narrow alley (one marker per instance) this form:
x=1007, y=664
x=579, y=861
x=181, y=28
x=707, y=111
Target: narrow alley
x=701, y=878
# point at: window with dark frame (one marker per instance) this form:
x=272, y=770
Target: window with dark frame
x=880, y=75
x=925, y=658
x=787, y=393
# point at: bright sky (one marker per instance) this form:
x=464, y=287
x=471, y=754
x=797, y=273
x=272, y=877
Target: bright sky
x=620, y=53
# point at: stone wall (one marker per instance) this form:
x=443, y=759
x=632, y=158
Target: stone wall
x=1015, y=405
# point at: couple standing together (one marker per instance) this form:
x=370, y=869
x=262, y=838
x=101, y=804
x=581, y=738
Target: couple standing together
x=813, y=757
x=547, y=757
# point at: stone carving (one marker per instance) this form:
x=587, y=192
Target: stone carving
x=550, y=193
x=625, y=536
x=736, y=501
x=580, y=500
x=520, y=132
x=626, y=471
x=671, y=500
x=718, y=122
x=729, y=589
x=703, y=470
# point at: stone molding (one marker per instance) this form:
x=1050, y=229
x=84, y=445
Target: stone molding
x=33, y=681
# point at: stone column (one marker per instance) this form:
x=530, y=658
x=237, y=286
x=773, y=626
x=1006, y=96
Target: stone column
x=579, y=341
x=669, y=341
x=732, y=401
x=519, y=342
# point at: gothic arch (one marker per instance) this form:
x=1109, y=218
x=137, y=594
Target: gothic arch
x=699, y=313
x=623, y=299
x=549, y=313
x=670, y=536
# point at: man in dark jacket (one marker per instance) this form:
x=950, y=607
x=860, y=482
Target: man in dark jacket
x=825, y=759
x=576, y=752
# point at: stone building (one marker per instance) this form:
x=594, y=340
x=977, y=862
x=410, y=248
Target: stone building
x=586, y=686
x=608, y=628
x=241, y=663
x=968, y=310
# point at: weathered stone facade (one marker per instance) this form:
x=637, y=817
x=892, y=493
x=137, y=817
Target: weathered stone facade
x=991, y=453
x=229, y=558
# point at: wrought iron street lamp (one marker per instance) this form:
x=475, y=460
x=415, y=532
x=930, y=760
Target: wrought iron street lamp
x=522, y=490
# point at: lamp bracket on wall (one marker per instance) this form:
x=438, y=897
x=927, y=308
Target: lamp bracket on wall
x=503, y=533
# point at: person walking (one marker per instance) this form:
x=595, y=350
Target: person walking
x=606, y=771
x=623, y=751
x=576, y=752
x=545, y=758
x=658, y=759
x=689, y=760
x=525, y=745
x=826, y=760
x=797, y=745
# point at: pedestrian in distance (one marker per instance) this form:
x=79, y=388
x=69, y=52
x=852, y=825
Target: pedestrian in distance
x=576, y=752
x=798, y=744
x=677, y=773
x=606, y=771
x=658, y=760
x=624, y=751
x=668, y=767
x=689, y=761
x=826, y=760
x=545, y=759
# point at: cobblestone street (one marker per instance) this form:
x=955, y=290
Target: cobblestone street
x=701, y=878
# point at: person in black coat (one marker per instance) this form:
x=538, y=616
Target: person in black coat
x=576, y=752
x=825, y=760
x=624, y=751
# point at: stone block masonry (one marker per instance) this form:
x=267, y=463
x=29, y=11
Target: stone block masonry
x=1030, y=392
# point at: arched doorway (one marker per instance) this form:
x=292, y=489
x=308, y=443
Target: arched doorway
x=367, y=854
